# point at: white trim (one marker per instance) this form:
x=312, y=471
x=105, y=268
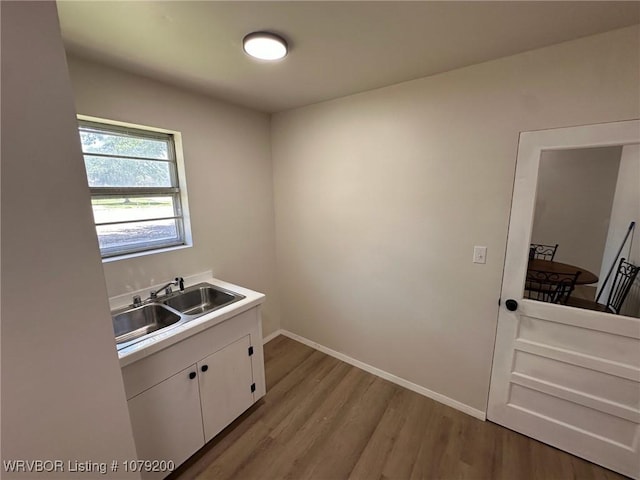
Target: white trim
x=272, y=335
x=129, y=256
x=118, y=123
x=438, y=397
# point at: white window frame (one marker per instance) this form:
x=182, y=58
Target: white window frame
x=177, y=190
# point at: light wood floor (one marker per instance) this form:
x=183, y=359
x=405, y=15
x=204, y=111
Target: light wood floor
x=324, y=419
x=586, y=292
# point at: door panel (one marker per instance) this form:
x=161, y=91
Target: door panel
x=166, y=420
x=225, y=386
x=566, y=376
x=591, y=382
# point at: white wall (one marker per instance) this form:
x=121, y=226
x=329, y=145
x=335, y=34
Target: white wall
x=229, y=181
x=573, y=203
x=62, y=393
x=625, y=209
x=381, y=196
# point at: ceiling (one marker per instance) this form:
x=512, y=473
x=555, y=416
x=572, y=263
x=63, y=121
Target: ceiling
x=337, y=47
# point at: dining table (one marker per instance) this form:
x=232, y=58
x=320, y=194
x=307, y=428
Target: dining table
x=585, y=278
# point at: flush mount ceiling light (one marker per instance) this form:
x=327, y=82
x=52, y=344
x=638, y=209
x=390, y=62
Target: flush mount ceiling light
x=265, y=46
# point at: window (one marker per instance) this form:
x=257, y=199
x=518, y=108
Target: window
x=135, y=191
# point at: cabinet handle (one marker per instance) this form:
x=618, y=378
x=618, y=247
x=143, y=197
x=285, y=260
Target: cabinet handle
x=192, y=375
x=204, y=368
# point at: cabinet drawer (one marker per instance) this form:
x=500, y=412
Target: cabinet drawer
x=150, y=371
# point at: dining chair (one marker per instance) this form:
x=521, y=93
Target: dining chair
x=542, y=251
x=550, y=287
x=625, y=276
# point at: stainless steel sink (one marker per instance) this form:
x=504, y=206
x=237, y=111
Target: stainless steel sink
x=133, y=324
x=137, y=322
x=201, y=299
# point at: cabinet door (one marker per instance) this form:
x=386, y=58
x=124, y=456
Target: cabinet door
x=225, y=386
x=166, y=420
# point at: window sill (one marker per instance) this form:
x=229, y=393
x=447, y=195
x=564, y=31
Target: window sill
x=130, y=256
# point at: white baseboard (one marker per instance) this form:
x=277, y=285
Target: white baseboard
x=474, y=412
x=272, y=335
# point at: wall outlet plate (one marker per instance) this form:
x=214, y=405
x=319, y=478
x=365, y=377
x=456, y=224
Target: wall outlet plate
x=479, y=254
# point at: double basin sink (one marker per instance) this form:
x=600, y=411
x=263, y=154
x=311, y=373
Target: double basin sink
x=133, y=324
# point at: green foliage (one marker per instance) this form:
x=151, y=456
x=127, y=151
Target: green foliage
x=122, y=172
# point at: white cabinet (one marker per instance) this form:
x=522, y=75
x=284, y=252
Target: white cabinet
x=181, y=397
x=166, y=419
x=226, y=386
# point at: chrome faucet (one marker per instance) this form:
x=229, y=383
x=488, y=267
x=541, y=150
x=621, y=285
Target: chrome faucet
x=179, y=281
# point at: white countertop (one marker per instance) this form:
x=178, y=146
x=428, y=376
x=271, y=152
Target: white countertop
x=175, y=334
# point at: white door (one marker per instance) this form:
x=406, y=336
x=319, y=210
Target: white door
x=226, y=388
x=565, y=376
x=166, y=420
